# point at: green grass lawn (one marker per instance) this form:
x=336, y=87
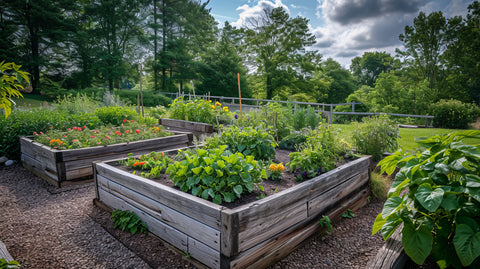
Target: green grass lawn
x=31, y=100
x=407, y=135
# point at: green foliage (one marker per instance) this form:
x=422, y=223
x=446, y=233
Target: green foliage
x=128, y=221
x=349, y=214
x=325, y=222
x=305, y=118
x=249, y=141
x=115, y=115
x=150, y=99
x=155, y=163
x=216, y=174
x=83, y=137
x=454, y=114
x=436, y=195
x=374, y=136
x=379, y=185
x=199, y=110
x=24, y=123
x=76, y=104
x=10, y=85
x=9, y=265
x=318, y=155
x=293, y=141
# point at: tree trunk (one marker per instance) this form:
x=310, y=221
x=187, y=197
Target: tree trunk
x=155, y=43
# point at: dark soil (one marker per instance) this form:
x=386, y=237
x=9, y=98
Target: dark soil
x=46, y=227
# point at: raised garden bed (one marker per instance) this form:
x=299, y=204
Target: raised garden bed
x=62, y=166
x=197, y=128
x=253, y=235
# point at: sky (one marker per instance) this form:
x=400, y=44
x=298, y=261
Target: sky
x=344, y=29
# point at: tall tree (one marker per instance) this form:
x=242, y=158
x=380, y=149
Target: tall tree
x=342, y=85
x=40, y=28
x=424, y=44
x=274, y=40
x=367, y=68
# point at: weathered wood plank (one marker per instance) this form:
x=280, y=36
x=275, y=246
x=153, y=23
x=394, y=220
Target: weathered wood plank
x=277, y=247
x=170, y=217
x=203, y=253
x=204, y=211
x=391, y=254
x=187, y=125
x=167, y=233
x=333, y=196
x=123, y=148
x=4, y=252
x=33, y=166
x=46, y=156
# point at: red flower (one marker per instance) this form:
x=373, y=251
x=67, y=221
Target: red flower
x=41, y=132
x=137, y=131
x=35, y=133
x=69, y=129
x=107, y=137
x=64, y=136
x=125, y=120
x=132, y=121
x=127, y=131
x=84, y=127
x=92, y=136
x=51, y=127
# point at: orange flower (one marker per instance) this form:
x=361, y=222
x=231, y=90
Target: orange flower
x=138, y=163
x=272, y=167
x=280, y=167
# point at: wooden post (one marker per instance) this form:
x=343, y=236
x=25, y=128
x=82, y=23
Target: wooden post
x=331, y=114
x=141, y=90
x=353, y=106
x=240, y=96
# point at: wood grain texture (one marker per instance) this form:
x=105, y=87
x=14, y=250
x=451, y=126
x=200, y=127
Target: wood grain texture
x=391, y=255
x=204, y=211
x=203, y=253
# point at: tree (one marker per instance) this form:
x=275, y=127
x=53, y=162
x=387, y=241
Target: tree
x=424, y=44
x=342, y=85
x=367, y=68
x=10, y=84
x=274, y=41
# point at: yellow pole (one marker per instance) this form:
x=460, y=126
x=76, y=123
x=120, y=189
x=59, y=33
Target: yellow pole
x=240, y=96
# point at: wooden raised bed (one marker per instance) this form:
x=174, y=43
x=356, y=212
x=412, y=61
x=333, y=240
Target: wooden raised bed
x=62, y=166
x=197, y=128
x=250, y=236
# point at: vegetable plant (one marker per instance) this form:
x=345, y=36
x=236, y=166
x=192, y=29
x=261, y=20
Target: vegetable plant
x=248, y=141
x=199, y=110
x=128, y=221
x=155, y=163
x=436, y=195
x=217, y=174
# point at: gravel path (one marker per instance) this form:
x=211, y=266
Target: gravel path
x=46, y=227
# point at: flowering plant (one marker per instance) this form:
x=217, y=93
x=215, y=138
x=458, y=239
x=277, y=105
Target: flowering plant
x=275, y=171
x=199, y=110
x=83, y=137
x=155, y=163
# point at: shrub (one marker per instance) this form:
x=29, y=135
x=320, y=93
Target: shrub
x=379, y=185
x=436, y=195
x=76, y=104
x=216, y=174
x=293, y=141
x=115, y=115
x=305, y=118
x=248, y=141
x=453, y=114
x=374, y=136
x=150, y=99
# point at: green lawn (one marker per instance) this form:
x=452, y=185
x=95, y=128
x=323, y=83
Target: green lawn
x=30, y=100
x=407, y=135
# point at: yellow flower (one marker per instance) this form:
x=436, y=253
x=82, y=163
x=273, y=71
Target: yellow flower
x=225, y=108
x=213, y=107
x=280, y=167
x=218, y=104
x=272, y=167
x=209, y=101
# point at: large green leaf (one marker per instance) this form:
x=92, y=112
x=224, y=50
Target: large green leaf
x=417, y=243
x=473, y=181
x=197, y=170
x=391, y=225
x=450, y=202
x=378, y=224
x=392, y=205
x=467, y=244
x=429, y=198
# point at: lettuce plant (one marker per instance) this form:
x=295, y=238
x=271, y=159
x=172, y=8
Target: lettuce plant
x=436, y=195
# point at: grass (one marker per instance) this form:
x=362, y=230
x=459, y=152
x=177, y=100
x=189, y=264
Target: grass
x=31, y=101
x=407, y=135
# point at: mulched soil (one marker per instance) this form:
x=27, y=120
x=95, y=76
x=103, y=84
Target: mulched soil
x=46, y=227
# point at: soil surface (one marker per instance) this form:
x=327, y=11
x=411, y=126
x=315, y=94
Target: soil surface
x=46, y=227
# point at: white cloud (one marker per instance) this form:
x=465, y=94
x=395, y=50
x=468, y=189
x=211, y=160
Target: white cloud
x=247, y=12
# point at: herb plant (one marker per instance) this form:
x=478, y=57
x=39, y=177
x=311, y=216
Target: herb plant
x=128, y=221
x=325, y=222
x=199, y=110
x=436, y=195
x=216, y=174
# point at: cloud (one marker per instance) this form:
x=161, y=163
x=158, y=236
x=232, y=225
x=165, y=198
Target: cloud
x=248, y=12
x=347, y=12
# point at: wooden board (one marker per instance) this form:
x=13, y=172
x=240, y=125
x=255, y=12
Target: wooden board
x=170, y=217
x=187, y=125
x=391, y=255
x=203, y=253
x=204, y=211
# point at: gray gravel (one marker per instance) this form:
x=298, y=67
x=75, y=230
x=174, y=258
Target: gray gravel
x=46, y=227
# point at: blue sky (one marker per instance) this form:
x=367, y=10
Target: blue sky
x=344, y=28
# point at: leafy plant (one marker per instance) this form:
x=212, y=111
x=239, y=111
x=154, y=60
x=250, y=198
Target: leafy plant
x=292, y=141
x=128, y=221
x=316, y=156
x=10, y=85
x=216, y=174
x=375, y=136
x=115, y=115
x=8, y=265
x=155, y=163
x=325, y=222
x=248, y=141
x=454, y=114
x=436, y=195
x=199, y=110
x=349, y=214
